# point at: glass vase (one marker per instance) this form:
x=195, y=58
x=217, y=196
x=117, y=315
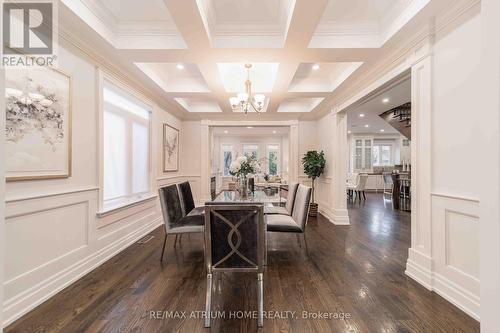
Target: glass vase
x=243, y=186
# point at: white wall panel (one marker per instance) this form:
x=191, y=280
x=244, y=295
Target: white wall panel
x=455, y=247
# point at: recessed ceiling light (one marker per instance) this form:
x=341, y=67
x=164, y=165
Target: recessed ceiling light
x=361, y=115
x=367, y=125
x=180, y=66
x=249, y=127
x=349, y=132
x=274, y=132
x=382, y=130
x=315, y=67
x=385, y=100
x=225, y=132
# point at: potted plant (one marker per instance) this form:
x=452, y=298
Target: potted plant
x=314, y=165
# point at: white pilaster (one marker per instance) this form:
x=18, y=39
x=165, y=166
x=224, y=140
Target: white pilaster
x=294, y=154
x=337, y=212
x=338, y=160
x=205, y=162
x=419, y=264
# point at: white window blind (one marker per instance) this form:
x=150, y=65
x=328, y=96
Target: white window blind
x=273, y=156
x=227, y=158
x=126, y=147
x=250, y=150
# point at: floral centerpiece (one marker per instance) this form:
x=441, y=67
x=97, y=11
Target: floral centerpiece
x=242, y=168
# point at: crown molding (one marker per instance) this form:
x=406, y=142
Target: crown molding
x=111, y=69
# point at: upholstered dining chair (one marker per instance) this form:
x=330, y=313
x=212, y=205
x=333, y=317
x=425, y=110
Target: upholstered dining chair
x=235, y=242
x=296, y=223
x=187, y=202
x=350, y=181
x=360, y=185
x=173, y=217
x=290, y=199
x=388, y=183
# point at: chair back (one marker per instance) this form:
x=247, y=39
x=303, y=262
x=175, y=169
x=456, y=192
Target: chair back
x=351, y=178
x=234, y=237
x=186, y=195
x=362, y=182
x=387, y=178
x=170, y=205
x=290, y=198
x=301, y=205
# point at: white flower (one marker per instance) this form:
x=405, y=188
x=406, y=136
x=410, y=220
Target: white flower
x=241, y=159
x=234, y=167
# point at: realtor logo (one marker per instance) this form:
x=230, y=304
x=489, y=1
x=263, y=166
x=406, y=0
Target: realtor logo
x=29, y=33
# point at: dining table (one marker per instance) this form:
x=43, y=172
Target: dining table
x=234, y=197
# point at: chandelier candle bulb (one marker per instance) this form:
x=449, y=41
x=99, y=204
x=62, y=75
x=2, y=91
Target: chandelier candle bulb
x=247, y=100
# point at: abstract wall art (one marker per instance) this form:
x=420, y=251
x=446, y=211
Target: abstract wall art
x=170, y=148
x=38, y=123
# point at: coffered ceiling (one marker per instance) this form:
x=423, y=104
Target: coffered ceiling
x=191, y=53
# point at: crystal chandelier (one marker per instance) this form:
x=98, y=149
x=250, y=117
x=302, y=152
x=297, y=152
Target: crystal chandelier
x=246, y=100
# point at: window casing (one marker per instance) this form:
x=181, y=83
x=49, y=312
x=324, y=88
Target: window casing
x=126, y=143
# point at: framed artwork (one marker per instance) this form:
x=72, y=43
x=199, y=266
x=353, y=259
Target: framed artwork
x=38, y=123
x=170, y=148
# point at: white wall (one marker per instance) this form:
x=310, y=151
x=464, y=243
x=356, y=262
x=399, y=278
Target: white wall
x=53, y=233
x=319, y=135
x=456, y=91
x=489, y=145
x=2, y=193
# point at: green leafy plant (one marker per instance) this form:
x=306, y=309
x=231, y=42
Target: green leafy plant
x=314, y=165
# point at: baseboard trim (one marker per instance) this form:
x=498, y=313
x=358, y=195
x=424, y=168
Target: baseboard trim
x=21, y=304
x=419, y=274
x=439, y=284
x=340, y=216
x=456, y=295
x=335, y=216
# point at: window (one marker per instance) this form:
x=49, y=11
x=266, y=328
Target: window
x=382, y=154
x=250, y=150
x=126, y=141
x=227, y=158
x=273, y=159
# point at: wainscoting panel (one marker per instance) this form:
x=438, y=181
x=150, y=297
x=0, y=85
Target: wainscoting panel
x=54, y=239
x=455, y=244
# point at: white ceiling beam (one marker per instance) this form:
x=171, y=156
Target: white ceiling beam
x=189, y=22
x=305, y=17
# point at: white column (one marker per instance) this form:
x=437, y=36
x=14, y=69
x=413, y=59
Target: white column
x=489, y=166
x=419, y=264
x=205, y=162
x=338, y=161
x=294, y=158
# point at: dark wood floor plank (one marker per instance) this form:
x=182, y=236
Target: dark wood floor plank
x=356, y=269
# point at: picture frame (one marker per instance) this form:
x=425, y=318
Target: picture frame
x=171, y=143
x=38, y=124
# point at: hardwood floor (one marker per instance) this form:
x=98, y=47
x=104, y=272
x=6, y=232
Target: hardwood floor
x=355, y=270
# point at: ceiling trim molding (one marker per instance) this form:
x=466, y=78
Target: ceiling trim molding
x=417, y=47
x=239, y=123
x=156, y=34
